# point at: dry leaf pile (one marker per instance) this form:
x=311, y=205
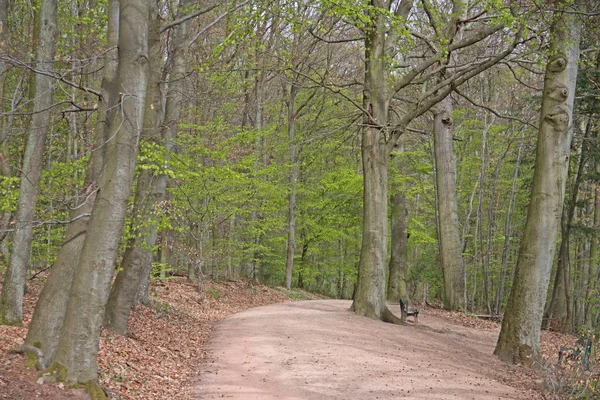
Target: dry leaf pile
x=162, y=352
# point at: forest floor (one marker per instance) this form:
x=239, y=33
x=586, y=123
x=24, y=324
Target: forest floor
x=178, y=349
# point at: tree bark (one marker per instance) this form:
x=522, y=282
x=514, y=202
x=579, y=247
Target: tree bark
x=150, y=192
x=11, y=301
x=294, y=172
x=519, y=340
x=451, y=250
x=78, y=346
x=398, y=266
x=560, y=302
x=369, y=299
x=50, y=309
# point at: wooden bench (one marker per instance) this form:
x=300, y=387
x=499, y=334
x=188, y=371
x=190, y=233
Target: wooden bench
x=406, y=312
x=579, y=354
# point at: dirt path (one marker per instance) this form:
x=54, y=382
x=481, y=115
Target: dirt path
x=319, y=350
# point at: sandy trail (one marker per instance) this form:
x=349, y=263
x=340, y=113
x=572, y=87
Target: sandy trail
x=320, y=350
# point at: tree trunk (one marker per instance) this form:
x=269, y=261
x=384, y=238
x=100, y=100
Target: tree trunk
x=5, y=216
x=507, y=228
x=11, y=302
x=559, y=308
x=369, y=299
x=294, y=171
x=591, y=293
x=519, y=339
x=398, y=267
x=50, y=309
x=452, y=262
x=78, y=346
x=150, y=191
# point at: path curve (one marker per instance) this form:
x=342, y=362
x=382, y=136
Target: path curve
x=319, y=350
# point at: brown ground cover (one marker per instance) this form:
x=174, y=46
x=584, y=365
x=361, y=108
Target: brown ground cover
x=167, y=353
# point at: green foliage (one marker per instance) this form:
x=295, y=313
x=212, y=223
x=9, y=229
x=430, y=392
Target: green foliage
x=9, y=193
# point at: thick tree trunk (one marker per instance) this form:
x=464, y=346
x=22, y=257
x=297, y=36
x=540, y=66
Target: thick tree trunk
x=51, y=306
x=78, y=346
x=370, y=293
x=451, y=251
x=519, y=339
x=369, y=298
x=11, y=301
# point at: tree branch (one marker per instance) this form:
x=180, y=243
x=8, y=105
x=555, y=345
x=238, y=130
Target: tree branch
x=496, y=113
x=187, y=17
x=52, y=75
x=477, y=37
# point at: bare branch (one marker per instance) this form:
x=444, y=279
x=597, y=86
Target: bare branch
x=187, y=17
x=477, y=37
x=496, y=113
x=334, y=41
x=220, y=17
x=59, y=78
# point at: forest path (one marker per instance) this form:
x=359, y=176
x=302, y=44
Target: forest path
x=320, y=350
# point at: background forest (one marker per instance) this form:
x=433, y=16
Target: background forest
x=250, y=163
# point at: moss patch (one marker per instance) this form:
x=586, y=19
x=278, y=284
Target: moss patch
x=31, y=360
x=57, y=370
x=94, y=390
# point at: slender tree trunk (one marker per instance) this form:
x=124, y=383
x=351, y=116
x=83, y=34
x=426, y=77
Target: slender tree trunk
x=483, y=251
x=591, y=292
x=76, y=355
x=398, y=266
x=582, y=282
x=452, y=262
x=560, y=303
x=11, y=301
x=4, y=128
x=507, y=228
x=519, y=339
x=294, y=171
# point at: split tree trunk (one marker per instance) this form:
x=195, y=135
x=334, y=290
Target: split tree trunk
x=50, y=309
x=78, y=346
x=519, y=340
x=150, y=191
